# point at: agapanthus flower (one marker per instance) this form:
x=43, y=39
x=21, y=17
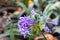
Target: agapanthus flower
x=24, y=24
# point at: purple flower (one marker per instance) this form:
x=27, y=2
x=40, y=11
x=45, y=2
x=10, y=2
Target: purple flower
x=47, y=29
x=54, y=22
x=41, y=14
x=24, y=25
x=33, y=12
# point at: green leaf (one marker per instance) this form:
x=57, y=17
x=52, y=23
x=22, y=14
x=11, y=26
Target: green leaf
x=52, y=1
x=49, y=13
x=45, y=12
x=37, y=31
x=59, y=21
x=25, y=2
x=12, y=33
x=58, y=10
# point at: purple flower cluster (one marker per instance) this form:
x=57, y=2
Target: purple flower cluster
x=24, y=24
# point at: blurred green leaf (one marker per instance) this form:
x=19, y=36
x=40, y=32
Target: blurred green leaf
x=47, y=9
x=59, y=21
x=25, y=2
x=58, y=10
x=12, y=33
